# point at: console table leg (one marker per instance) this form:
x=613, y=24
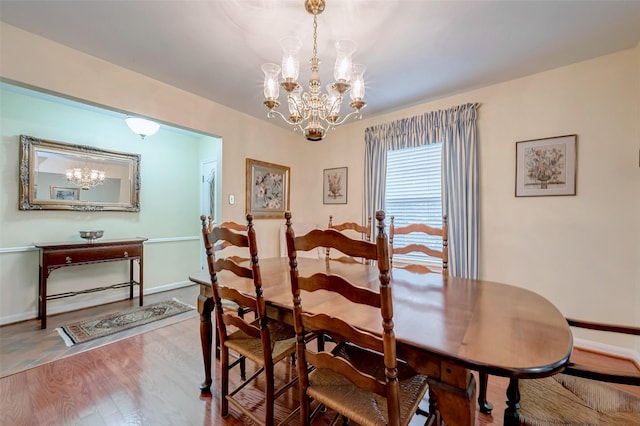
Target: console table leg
x=141, y=283
x=131, y=279
x=42, y=305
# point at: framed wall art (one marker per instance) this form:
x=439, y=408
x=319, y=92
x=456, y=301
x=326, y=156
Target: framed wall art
x=546, y=166
x=267, y=189
x=334, y=186
x=66, y=194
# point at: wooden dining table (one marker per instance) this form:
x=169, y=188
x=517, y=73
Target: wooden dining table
x=445, y=327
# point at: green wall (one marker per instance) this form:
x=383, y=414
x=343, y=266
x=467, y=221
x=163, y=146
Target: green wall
x=169, y=199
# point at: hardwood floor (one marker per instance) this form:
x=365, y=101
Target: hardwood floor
x=147, y=376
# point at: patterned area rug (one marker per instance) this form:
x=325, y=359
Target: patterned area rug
x=83, y=331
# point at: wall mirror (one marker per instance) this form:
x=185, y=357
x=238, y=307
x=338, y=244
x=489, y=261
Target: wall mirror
x=60, y=176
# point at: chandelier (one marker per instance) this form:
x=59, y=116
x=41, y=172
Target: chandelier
x=85, y=177
x=314, y=113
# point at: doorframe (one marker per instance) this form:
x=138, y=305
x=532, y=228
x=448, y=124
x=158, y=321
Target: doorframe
x=205, y=166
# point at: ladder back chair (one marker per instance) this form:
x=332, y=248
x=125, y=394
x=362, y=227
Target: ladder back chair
x=264, y=341
x=440, y=233
x=582, y=394
x=361, y=377
x=230, y=305
x=365, y=232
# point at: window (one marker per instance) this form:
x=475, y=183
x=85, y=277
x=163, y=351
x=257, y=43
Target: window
x=414, y=194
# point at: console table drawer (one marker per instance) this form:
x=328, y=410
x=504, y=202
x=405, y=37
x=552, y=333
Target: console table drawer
x=84, y=255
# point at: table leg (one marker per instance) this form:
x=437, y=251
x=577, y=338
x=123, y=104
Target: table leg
x=511, y=416
x=205, y=307
x=455, y=395
x=485, y=406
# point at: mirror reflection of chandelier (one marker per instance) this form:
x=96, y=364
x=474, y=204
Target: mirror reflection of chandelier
x=85, y=177
x=312, y=112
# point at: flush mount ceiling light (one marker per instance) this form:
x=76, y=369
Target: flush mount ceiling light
x=142, y=126
x=311, y=112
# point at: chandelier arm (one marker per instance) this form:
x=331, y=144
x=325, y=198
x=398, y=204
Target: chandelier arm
x=272, y=113
x=339, y=121
x=298, y=105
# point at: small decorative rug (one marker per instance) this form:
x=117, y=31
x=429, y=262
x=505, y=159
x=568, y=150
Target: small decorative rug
x=83, y=331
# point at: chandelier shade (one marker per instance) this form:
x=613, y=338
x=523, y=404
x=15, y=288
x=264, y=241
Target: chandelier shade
x=312, y=112
x=142, y=126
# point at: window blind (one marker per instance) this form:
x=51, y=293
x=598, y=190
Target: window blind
x=414, y=194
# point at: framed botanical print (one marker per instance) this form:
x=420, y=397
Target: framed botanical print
x=546, y=166
x=334, y=186
x=267, y=189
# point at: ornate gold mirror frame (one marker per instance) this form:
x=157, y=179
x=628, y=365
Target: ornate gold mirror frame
x=44, y=184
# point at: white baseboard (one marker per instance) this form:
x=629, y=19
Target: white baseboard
x=604, y=348
x=10, y=319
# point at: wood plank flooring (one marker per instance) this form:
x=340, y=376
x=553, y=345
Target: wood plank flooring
x=146, y=376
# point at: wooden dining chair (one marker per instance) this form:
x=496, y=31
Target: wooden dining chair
x=582, y=394
x=349, y=228
x=228, y=305
x=441, y=234
x=360, y=378
x=429, y=233
x=264, y=341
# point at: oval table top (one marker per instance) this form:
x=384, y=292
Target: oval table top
x=481, y=325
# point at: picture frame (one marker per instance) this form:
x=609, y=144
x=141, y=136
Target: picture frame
x=335, y=185
x=546, y=167
x=267, y=195
x=60, y=193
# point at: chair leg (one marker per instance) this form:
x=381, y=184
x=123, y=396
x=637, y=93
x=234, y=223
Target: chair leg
x=243, y=368
x=217, y=344
x=269, y=393
x=485, y=406
x=224, y=385
x=305, y=407
x=320, y=342
x=243, y=364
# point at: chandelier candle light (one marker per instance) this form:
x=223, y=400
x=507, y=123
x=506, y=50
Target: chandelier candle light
x=312, y=112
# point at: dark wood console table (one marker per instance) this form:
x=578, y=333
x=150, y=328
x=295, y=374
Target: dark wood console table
x=59, y=255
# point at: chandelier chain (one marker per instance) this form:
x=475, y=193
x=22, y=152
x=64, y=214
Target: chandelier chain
x=315, y=36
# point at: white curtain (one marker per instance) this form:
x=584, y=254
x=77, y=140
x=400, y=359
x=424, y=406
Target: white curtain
x=456, y=129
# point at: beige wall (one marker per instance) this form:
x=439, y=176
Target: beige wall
x=581, y=252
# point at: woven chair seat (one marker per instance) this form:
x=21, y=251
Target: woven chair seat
x=570, y=400
x=362, y=407
x=283, y=342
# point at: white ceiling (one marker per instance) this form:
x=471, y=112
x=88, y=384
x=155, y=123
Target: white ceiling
x=414, y=51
